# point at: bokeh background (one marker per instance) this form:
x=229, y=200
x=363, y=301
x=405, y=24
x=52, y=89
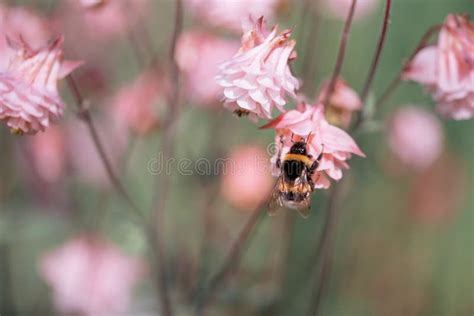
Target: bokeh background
x=404, y=240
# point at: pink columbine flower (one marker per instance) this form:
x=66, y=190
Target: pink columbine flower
x=229, y=14
x=133, y=106
x=29, y=98
x=198, y=55
x=342, y=103
x=246, y=180
x=258, y=77
x=415, y=137
x=309, y=123
x=447, y=69
x=340, y=8
x=90, y=277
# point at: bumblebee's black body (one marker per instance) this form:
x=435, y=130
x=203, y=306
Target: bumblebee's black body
x=295, y=165
x=295, y=184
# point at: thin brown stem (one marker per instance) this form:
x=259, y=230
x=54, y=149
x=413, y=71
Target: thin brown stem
x=7, y=301
x=310, y=62
x=85, y=115
x=230, y=262
x=391, y=88
x=378, y=52
x=341, y=53
x=323, y=282
x=396, y=81
x=162, y=187
x=323, y=255
x=210, y=192
x=375, y=62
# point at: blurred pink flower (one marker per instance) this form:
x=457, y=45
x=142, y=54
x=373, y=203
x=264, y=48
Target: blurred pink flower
x=85, y=161
x=133, y=105
x=109, y=20
x=48, y=154
x=198, y=55
x=415, y=137
x=258, y=77
x=91, y=3
x=29, y=98
x=246, y=181
x=340, y=8
x=90, y=277
x=344, y=100
x=230, y=13
x=438, y=192
x=447, y=69
x=20, y=22
x=309, y=123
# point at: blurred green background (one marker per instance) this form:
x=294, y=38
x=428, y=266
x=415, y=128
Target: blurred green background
x=387, y=261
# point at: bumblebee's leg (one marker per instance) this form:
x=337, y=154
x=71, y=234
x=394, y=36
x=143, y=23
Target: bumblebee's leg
x=278, y=162
x=315, y=164
x=311, y=182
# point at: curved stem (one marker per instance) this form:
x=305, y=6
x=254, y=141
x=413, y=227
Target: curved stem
x=230, y=262
x=310, y=61
x=160, y=198
x=323, y=254
x=85, y=116
x=341, y=53
x=374, y=65
x=378, y=52
x=396, y=81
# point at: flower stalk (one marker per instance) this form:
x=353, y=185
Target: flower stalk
x=205, y=295
x=341, y=52
x=398, y=78
x=162, y=184
x=374, y=65
x=85, y=116
x=324, y=250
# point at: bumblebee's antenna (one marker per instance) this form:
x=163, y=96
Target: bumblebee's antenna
x=292, y=134
x=309, y=135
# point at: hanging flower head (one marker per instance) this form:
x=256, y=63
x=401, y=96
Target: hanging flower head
x=258, y=77
x=246, y=181
x=133, y=106
x=309, y=123
x=342, y=103
x=447, y=69
x=29, y=98
x=415, y=136
x=90, y=276
x=198, y=55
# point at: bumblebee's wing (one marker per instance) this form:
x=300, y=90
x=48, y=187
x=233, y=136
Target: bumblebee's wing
x=304, y=208
x=306, y=188
x=275, y=201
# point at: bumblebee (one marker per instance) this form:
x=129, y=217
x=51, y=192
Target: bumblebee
x=294, y=186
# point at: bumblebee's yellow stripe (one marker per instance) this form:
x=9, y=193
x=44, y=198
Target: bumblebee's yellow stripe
x=305, y=159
